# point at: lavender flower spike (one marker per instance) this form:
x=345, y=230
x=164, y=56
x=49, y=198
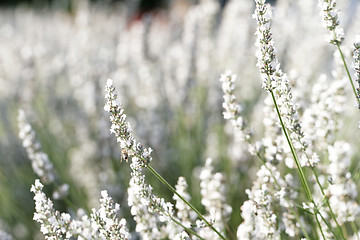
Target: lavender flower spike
x=330, y=18
x=267, y=62
x=356, y=66
x=122, y=129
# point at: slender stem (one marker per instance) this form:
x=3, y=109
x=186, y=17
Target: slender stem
x=297, y=162
x=327, y=224
x=317, y=220
x=161, y=179
x=189, y=230
x=288, y=200
x=328, y=204
x=353, y=227
x=348, y=73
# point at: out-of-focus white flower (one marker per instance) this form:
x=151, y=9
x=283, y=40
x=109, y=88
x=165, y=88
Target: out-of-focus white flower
x=6, y=236
x=103, y=223
x=213, y=192
x=40, y=161
x=356, y=66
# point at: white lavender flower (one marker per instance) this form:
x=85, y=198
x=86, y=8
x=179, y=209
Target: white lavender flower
x=270, y=208
x=122, y=129
x=103, y=223
x=330, y=19
x=184, y=213
x=213, y=198
x=356, y=66
x=6, y=236
x=273, y=79
x=182, y=236
x=260, y=221
x=40, y=161
x=53, y=224
x=267, y=61
x=110, y=227
x=322, y=119
x=149, y=211
x=232, y=110
x=342, y=191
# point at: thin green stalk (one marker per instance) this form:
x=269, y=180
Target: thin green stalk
x=353, y=227
x=327, y=224
x=161, y=179
x=328, y=204
x=300, y=170
x=189, y=230
x=317, y=220
x=297, y=162
x=278, y=185
x=348, y=73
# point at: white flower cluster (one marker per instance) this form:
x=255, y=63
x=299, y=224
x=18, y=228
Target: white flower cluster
x=149, y=211
x=260, y=221
x=122, y=129
x=53, y=224
x=273, y=79
x=330, y=18
x=232, y=110
x=102, y=224
x=182, y=236
x=356, y=66
x=342, y=189
x=267, y=62
x=40, y=161
x=184, y=213
x=269, y=192
x=110, y=227
x=322, y=117
x=213, y=192
x=5, y=235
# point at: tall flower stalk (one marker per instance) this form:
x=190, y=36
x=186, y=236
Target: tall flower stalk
x=356, y=66
x=141, y=158
x=276, y=83
x=330, y=18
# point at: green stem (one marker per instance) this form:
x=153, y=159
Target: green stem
x=297, y=162
x=328, y=204
x=161, y=179
x=288, y=200
x=348, y=73
x=189, y=230
x=317, y=220
x=353, y=227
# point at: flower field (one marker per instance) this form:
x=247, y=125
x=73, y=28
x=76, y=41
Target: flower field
x=201, y=121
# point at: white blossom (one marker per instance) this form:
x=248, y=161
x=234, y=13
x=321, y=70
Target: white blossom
x=103, y=223
x=330, y=19
x=40, y=161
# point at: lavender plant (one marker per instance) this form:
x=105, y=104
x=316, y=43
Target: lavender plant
x=240, y=163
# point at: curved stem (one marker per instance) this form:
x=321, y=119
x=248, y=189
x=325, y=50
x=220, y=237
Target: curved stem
x=189, y=230
x=348, y=73
x=328, y=204
x=161, y=179
x=297, y=162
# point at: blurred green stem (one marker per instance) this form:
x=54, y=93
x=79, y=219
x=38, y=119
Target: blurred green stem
x=348, y=73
